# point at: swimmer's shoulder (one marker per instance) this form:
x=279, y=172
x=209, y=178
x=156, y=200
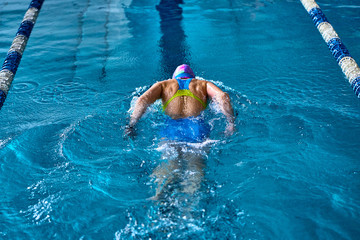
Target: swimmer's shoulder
x=168, y=83
x=173, y=83
x=168, y=87
x=199, y=82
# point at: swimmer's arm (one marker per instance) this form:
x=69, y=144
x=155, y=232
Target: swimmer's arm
x=146, y=99
x=223, y=100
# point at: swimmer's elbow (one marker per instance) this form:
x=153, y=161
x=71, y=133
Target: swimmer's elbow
x=225, y=95
x=143, y=101
x=222, y=97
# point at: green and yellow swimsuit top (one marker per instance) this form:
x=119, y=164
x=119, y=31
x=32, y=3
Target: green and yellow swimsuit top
x=183, y=91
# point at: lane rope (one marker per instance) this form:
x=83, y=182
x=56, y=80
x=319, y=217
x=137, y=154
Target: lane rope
x=341, y=54
x=13, y=58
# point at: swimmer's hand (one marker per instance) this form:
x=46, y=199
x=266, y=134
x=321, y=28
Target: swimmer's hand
x=129, y=132
x=230, y=126
x=230, y=129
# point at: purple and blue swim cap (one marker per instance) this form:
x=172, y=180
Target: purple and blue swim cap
x=183, y=71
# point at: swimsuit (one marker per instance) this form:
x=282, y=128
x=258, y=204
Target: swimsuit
x=191, y=129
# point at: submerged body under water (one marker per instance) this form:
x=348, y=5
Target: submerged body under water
x=290, y=171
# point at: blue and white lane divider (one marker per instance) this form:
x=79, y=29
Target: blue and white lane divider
x=17, y=48
x=336, y=46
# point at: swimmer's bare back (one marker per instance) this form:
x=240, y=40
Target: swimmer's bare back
x=183, y=106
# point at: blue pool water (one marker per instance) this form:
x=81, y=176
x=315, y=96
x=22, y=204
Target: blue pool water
x=291, y=170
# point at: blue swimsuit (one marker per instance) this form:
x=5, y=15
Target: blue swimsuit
x=191, y=129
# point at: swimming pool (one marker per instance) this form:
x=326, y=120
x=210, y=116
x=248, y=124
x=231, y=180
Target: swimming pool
x=291, y=171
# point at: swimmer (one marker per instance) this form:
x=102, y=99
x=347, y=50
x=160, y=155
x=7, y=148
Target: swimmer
x=184, y=98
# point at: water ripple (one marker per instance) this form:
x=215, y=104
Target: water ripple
x=69, y=91
x=24, y=87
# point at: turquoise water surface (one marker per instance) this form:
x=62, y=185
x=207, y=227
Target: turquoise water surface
x=291, y=170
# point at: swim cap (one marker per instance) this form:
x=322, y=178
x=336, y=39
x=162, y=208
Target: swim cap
x=183, y=71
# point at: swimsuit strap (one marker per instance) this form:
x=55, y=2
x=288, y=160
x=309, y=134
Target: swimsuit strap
x=183, y=83
x=184, y=92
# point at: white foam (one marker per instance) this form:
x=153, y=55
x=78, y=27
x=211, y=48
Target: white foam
x=3, y=142
x=173, y=144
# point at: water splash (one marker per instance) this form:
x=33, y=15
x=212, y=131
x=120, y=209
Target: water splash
x=40, y=212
